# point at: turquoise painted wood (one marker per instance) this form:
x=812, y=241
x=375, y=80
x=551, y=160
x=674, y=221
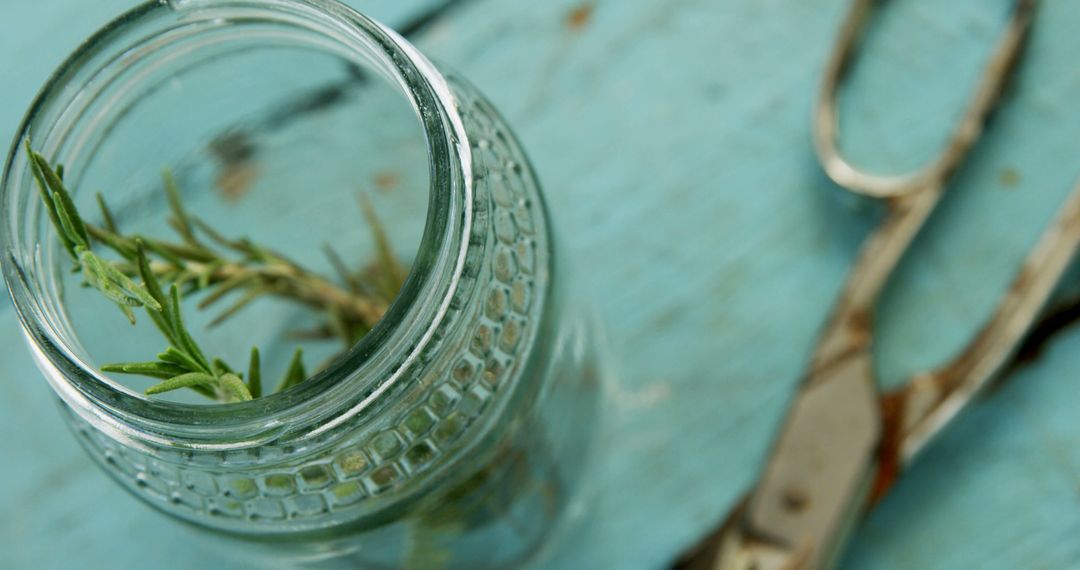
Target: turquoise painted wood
x=673, y=140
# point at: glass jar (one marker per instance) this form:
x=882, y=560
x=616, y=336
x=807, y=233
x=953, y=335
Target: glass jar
x=455, y=433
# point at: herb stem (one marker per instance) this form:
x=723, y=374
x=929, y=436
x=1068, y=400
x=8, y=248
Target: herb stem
x=218, y=266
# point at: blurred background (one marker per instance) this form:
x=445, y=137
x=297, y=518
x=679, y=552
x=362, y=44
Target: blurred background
x=673, y=141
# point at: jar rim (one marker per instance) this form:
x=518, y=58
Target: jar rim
x=357, y=379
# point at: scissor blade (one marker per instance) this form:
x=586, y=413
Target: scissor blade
x=817, y=476
x=815, y=482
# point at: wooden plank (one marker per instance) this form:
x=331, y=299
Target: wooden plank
x=672, y=137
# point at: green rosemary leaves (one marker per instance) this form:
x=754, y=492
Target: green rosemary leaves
x=156, y=275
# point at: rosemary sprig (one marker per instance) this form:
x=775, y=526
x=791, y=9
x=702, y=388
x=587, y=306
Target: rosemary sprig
x=224, y=266
x=205, y=260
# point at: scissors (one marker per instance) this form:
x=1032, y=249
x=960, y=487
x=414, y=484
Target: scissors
x=844, y=442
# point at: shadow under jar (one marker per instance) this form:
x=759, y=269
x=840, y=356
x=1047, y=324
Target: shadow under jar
x=455, y=433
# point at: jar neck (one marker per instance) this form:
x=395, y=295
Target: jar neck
x=76, y=109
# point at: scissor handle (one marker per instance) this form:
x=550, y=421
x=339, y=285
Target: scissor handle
x=931, y=400
x=964, y=134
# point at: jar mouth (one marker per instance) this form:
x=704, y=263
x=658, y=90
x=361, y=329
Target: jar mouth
x=354, y=381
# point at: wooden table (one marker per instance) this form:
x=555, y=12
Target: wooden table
x=673, y=140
